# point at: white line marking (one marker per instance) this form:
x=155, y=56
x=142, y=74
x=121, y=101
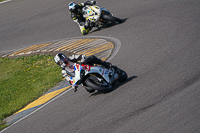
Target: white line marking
x=4, y=1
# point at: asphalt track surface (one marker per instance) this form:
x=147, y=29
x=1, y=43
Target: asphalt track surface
x=160, y=44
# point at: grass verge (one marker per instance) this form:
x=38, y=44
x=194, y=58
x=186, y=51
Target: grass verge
x=2, y=0
x=23, y=80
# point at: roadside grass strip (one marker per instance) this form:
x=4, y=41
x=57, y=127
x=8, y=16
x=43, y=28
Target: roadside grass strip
x=23, y=80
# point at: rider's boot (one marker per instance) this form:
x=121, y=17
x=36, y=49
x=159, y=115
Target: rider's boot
x=85, y=30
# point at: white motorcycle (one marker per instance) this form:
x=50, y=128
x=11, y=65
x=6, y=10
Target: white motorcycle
x=99, y=16
x=95, y=77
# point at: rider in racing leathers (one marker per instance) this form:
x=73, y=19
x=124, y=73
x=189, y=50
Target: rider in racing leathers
x=63, y=62
x=75, y=11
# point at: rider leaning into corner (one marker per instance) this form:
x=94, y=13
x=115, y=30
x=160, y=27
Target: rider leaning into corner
x=75, y=11
x=66, y=63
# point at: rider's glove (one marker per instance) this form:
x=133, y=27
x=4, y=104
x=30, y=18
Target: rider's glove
x=83, y=57
x=64, y=73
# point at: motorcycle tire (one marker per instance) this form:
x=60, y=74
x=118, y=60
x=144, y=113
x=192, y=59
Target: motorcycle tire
x=97, y=87
x=122, y=75
x=111, y=18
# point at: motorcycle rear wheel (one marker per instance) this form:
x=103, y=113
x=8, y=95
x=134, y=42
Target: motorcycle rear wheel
x=111, y=18
x=105, y=88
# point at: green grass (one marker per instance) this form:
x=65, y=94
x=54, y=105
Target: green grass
x=23, y=80
x=2, y=0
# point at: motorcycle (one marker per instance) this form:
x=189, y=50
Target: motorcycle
x=99, y=16
x=95, y=77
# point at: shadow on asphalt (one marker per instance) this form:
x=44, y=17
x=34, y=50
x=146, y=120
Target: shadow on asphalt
x=108, y=26
x=115, y=86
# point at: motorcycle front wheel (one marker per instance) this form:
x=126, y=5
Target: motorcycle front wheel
x=95, y=84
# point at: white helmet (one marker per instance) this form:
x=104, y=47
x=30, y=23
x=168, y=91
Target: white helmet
x=72, y=6
x=61, y=60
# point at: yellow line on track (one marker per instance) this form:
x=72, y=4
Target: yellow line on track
x=97, y=49
x=75, y=44
x=43, y=99
x=58, y=49
x=34, y=47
